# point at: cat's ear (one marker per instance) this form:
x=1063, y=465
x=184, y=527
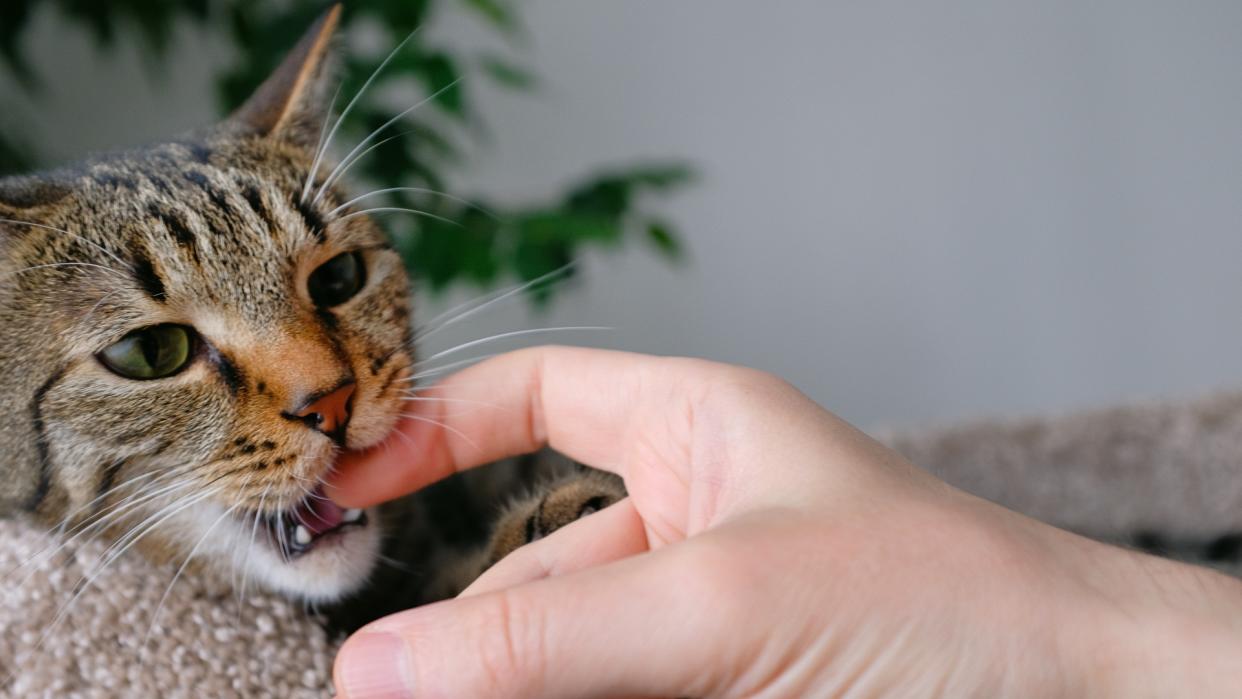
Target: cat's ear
x=293, y=102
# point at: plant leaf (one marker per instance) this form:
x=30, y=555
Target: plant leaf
x=665, y=240
x=497, y=12
x=507, y=74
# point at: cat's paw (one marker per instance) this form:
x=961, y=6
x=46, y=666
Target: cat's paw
x=552, y=507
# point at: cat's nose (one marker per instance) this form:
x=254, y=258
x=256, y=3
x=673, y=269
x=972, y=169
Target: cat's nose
x=327, y=413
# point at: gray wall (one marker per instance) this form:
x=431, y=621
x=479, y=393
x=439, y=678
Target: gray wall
x=914, y=211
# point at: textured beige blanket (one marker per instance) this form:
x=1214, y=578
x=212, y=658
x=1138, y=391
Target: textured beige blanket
x=1170, y=472
x=205, y=643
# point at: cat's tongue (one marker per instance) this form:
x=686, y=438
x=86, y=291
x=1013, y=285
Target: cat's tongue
x=319, y=514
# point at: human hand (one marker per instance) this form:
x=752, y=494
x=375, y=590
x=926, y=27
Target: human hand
x=767, y=549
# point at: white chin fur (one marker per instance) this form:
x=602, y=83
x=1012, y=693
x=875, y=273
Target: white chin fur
x=338, y=565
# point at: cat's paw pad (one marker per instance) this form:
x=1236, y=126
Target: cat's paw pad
x=565, y=501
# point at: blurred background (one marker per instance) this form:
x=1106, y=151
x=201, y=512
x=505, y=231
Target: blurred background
x=915, y=212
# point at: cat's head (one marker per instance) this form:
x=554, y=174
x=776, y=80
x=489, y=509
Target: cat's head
x=189, y=337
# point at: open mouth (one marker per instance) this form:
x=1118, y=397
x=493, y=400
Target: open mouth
x=298, y=530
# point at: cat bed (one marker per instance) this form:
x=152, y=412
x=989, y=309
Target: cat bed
x=1161, y=475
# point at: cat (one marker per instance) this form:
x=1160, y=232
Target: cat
x=189, y=338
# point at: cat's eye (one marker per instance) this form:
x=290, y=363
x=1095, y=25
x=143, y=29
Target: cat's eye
x=150, y=353
x=337, y=280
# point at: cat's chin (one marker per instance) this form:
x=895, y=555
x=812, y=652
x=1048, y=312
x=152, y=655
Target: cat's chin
x=337, y=562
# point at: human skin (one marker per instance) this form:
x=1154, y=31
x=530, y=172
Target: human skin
x=767, y=549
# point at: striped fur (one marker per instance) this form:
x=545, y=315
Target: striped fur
x=208, y=231
x=213, y=231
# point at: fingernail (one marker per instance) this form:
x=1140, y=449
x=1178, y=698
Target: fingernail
x=375, y=665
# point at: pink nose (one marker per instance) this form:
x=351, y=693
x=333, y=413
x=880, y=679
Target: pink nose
x=329, y=414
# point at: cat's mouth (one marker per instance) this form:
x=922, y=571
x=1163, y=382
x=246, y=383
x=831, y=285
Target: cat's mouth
x=298, y=530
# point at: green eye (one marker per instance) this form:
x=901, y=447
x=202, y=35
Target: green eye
x=337, y=280
x=149, y=353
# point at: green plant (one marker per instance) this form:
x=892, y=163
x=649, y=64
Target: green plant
x=463, y=240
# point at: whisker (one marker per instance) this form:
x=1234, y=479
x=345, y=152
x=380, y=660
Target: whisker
x=348, y=163
x=209, y=488
x=99, y=303
x=241, y=501
x=62, y=529
x=139, y=498
x=447, y=368
x=415, y=190
x=507, y=335
x=464, y=401
x=51, y=265
x=321, y=144
x=280, y=539
x=89, y=579
x=128, y=539
x=453, y=316
x=336, y=172
x=408, y=440
x=92, y=243
x=72, y=514
x=254, y=533
x=104, y=519
x=327, y=143
x=454, y=430
x=399, y=209
x=307, y=493
x=390, y=561
x=177, y=576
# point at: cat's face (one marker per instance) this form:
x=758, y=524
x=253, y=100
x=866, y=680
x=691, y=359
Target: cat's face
x=187, y=343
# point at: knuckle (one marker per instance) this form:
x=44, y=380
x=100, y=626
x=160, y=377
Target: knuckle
x=510, y=645
x=729, y=387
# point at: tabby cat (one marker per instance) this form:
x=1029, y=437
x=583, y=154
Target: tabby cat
x=189, y=338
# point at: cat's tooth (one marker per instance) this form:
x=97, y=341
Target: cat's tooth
x=302, y=535
x=352, y=515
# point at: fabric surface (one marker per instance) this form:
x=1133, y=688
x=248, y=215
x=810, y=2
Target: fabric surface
x=205, y=644
x=1163, y=474
x=1165, y=470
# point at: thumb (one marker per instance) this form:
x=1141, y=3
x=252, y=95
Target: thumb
x=651, y=625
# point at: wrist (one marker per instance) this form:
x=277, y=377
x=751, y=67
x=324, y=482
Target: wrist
x=1174, y=630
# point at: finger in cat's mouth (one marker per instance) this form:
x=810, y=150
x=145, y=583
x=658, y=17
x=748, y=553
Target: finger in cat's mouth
x=299, y=529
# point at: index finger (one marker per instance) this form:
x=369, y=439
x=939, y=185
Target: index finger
x=581, y=402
